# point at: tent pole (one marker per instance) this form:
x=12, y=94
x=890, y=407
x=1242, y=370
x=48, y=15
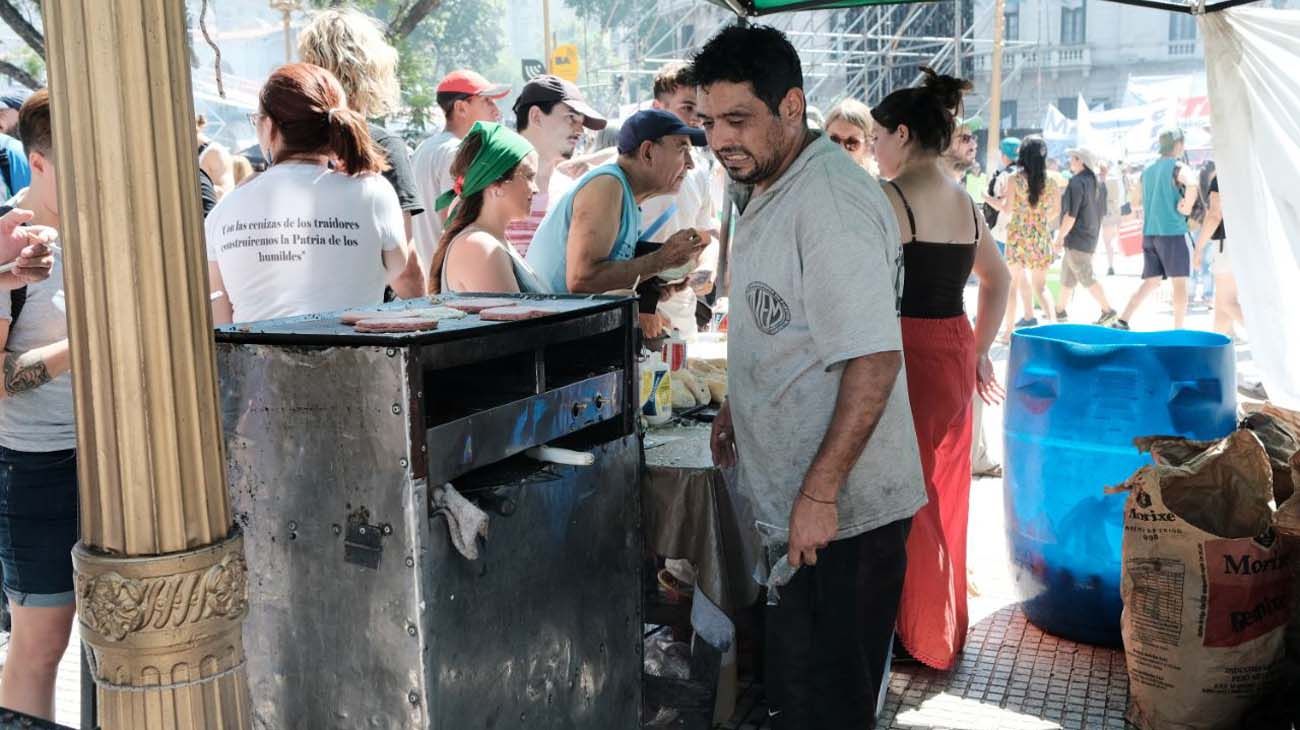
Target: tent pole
x=995, y=87
x=546, y=33
x=956, y=37
x=159, y=570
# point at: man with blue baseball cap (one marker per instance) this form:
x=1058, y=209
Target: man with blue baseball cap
x=10, y=102
x=587, y=242
x=15, y=174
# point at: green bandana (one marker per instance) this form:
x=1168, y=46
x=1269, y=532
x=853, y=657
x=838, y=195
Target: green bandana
x=501, y=151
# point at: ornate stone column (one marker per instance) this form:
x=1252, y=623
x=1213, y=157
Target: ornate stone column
x=160, y=570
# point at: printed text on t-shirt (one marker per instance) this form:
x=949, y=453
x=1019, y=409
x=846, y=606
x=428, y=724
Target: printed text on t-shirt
x=288, y=231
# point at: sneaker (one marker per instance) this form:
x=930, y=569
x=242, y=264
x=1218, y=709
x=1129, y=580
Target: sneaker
x=1062, y=316
x=1107, y=318
x=1027, y=323
x=1252, y=390
x=1120, y=324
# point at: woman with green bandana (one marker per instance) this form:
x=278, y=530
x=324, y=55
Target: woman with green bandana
x=494, y=172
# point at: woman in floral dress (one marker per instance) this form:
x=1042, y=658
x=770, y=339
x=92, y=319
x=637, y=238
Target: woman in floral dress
x=1033, y=202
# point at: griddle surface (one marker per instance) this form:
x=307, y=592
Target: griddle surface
x=327, y=328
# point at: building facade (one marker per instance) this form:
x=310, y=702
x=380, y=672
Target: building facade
x=1058, y=50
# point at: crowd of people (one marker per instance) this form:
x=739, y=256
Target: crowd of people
x=857, y=373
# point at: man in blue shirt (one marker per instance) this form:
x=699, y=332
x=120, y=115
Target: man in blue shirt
x=14, y=170
x=587, y=242
x=1167, y=195
x=15, y=174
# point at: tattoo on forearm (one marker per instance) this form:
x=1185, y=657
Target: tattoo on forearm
x=23, y=372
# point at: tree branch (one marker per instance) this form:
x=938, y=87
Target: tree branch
x=19, y=75
x=405, y=23
x=14, y=18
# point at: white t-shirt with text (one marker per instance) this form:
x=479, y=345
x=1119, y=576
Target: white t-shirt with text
x=432, y=163
x=302, y=239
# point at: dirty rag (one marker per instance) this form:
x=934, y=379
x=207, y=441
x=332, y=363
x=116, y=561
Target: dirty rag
x=465, y=521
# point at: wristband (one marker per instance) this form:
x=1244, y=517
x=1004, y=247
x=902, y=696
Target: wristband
x=811, y=498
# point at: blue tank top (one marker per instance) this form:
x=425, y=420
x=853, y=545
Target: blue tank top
x=547, y=254
x=1160, y=197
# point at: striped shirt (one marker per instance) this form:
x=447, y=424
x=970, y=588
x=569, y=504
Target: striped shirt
x=520, y=233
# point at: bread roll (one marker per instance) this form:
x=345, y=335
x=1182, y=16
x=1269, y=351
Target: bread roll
x=695, y=385
x=683, y=398
x=717, y=388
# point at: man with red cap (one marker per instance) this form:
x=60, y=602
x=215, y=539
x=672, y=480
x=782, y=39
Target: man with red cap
x=465, y=97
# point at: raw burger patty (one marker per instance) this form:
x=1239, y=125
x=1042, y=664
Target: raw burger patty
x=513, y=313
x=436, y=313
x=397, y=324
x=471, y=305
x=352, y=316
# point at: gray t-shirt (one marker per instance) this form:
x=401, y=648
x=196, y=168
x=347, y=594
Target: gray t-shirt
x=40, y=419
x=816, y=280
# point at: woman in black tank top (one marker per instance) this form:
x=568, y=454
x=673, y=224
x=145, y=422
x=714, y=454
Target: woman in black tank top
x=944, y=239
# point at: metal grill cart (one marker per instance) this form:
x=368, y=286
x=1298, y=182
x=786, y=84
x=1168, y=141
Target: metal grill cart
x=363, y=615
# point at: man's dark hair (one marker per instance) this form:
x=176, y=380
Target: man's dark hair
x=521, y=114
x=447, y=101
x=34, y=124
x=672, y=77
x=758, y=54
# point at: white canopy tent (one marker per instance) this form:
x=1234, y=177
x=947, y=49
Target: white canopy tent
x=1250, y=56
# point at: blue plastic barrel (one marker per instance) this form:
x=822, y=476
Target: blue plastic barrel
x=1077, y=397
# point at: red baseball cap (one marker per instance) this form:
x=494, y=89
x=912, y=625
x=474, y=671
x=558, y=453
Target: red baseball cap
x=464, y=81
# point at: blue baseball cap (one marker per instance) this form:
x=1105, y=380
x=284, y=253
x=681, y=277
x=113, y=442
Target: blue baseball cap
x=14, y=98
x=652, y=125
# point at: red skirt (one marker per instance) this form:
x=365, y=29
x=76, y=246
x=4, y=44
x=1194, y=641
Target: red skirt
x=940, y=359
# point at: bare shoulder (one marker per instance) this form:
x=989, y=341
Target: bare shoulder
x=600, y=199
x=600, y=189
x=478, y=244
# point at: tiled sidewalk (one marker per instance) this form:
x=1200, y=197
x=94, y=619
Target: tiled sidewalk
x=1011, y=677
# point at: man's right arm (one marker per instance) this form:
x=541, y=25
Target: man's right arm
x=597, y=216
x=1067, y=225
x=1190, y=184
x=27, y=246
x=24, y=371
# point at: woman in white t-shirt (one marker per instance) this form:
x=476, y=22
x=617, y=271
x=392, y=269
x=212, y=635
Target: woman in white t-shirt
x=320, y=230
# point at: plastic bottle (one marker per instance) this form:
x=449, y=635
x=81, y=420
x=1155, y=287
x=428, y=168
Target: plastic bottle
x=658, y=409
x=675, y=351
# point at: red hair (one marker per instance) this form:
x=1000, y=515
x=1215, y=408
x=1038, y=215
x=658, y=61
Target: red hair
x=309, y=109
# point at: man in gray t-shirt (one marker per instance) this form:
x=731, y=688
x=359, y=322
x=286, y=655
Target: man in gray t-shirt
x=38, y=465
x=818, y=419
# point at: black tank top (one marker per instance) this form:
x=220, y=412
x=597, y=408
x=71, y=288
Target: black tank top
x=935, y=274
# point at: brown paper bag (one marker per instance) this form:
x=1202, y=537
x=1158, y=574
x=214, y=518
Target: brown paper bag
x=1206, y=586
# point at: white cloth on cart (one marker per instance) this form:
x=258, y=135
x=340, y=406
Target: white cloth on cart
x=465, y=521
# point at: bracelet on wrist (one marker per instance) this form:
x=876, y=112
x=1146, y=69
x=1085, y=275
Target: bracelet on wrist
x=811, y=498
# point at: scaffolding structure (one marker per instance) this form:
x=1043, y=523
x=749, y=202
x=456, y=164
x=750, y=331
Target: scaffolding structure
x=863, y=53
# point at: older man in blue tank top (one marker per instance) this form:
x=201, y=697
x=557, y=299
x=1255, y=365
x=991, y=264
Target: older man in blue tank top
x=587, y=243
